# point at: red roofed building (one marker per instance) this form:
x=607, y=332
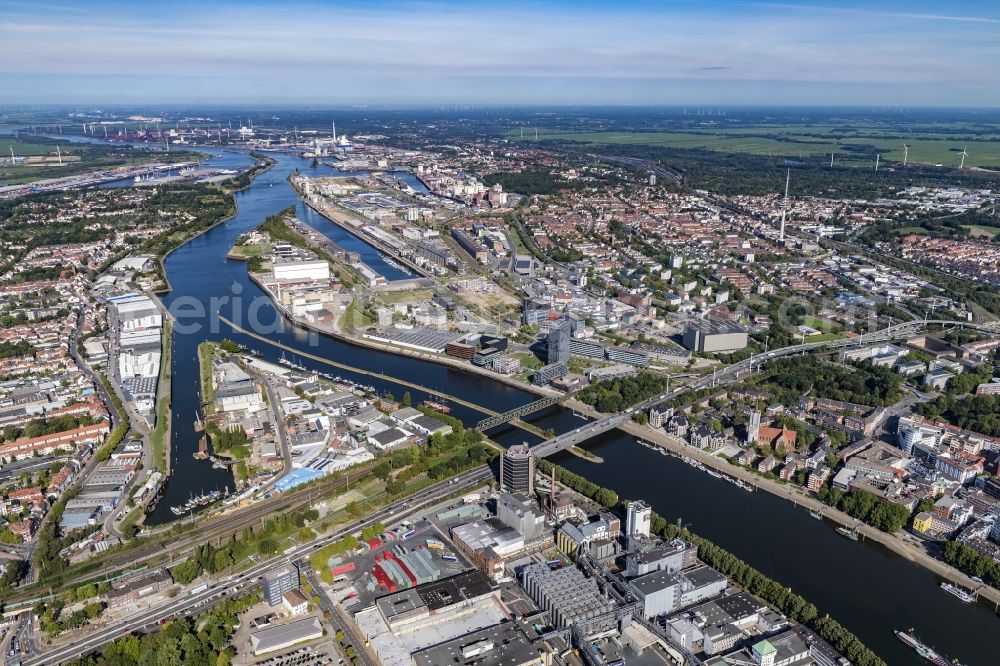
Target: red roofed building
x=781, y=440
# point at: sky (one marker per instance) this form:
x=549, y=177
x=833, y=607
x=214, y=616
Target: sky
x=653, y=52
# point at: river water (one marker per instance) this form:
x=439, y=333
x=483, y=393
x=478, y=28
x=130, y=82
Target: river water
x=867, y=588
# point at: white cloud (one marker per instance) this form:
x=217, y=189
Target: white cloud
x=437, y=42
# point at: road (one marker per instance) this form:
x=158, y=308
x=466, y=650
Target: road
x=279, y=425
x=337, y=621
x=185, y=604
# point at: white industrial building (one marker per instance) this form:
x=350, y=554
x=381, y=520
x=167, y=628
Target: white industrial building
x=294, y=270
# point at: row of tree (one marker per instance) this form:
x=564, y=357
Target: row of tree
x=887, y=516
x=972, y=562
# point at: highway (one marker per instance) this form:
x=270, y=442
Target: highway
x=183, y=605
x=600, y=426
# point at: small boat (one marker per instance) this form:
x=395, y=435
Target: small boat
x=436, y=406
x=816, y=514
x=851, y=534
x=959, y=593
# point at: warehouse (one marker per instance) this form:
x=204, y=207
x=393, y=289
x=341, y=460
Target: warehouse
x=707, y=336
x=286, y=635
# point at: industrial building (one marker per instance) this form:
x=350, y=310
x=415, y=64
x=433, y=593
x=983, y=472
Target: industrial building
x=638, y=518
x=707, y=336
x=294, y=270
x=567, y=595
x=507, y=644
x=666, y=592
x=519, y=512
x=670, y=556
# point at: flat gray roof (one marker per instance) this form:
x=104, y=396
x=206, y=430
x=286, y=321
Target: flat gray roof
x=275, y=637
x=493, y=646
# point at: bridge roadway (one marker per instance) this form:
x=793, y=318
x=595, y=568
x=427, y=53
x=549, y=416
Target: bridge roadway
x=603, y=425
x=182, y=605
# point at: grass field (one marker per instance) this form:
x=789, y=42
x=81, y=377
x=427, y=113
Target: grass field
x=982, y=231
x=856, y=146
x=26, y=148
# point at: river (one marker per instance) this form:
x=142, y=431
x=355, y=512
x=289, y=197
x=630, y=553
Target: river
x=867, y=588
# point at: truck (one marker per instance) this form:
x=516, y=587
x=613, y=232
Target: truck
x=198, y=589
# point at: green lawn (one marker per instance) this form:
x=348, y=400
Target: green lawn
x=528, y=360
x=855, y=147
x=819, y=323
x=825, y=337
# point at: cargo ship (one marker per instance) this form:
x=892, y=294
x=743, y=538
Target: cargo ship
x=930, y=655
x=437, y=406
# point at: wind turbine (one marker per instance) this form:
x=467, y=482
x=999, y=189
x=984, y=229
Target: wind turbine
x=906, y=153
x=964, y=155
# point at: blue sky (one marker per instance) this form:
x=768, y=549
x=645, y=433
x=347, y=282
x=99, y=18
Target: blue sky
x=654, y=52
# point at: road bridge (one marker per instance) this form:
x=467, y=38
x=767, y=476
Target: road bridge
x=731, y=372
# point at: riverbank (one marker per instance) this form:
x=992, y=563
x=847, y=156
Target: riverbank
x=358, y=341
x=264, y=163
x=800, y=497
x=354, y=231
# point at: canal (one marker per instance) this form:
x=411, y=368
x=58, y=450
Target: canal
x=867, y=588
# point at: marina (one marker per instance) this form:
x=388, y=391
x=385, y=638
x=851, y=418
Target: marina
x=199, y=501
x=714, y=473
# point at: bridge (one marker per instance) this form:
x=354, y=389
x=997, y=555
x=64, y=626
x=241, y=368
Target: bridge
x=608, y=423
x=523, y=410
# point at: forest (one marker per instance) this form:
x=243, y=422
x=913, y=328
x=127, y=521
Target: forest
x=860, y=383
x=620, y=394
x=979, y=413
x=528, y=182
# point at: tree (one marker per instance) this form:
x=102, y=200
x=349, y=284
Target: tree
x=186, y=571
x=407, y=399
